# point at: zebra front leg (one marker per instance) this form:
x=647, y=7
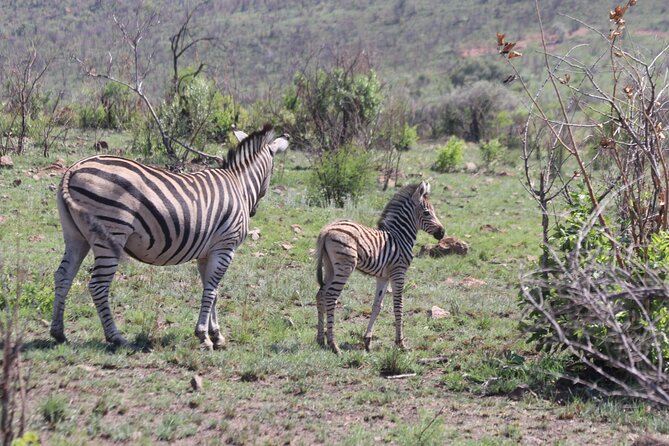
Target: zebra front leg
x=214, y=330
x=381, y=286
x=102, y=274
x=212, y=270
x=398, y=287
x=76, y=249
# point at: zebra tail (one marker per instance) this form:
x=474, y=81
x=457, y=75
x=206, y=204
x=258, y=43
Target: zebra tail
x=94, y=224
x=320, y=248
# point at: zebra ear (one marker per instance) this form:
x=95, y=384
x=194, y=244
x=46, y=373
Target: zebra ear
x=241, y=136
x=279, y=144
x=422, y=190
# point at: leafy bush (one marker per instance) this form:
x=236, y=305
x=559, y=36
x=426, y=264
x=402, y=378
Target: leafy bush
x=492, y=152
x=91, y=116
x=197, y=115
x=55, y=409
x=609, y=286
x=450, y=156
x=394, y=362
x=340, y=175
x=117, y=105
x=32, y=295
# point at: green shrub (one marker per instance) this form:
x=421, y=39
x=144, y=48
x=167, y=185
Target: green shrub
x=91, y=116
x=117, y=105
x=30, y=438
x=492, y=152
x=34, y=296
x=394, y=362
x=197, y=115
x=339, y=176
x=450, y=156
x=609, y=273
x=55, y=409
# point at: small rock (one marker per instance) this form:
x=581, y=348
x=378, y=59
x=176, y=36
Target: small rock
x=36, y=238
x=255, y=234
x=647, y=440
x=6, y=162
x=470, y=282
x=286, y=246
x=2, y=219
x=289, y=322
x=296, y=228
x=196, y=383
x=489, y=228
x=447, y=245
x=437, y=313
x=471, y=167
x=517, y=393
x=17, y=182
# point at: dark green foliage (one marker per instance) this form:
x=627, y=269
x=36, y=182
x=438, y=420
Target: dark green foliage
x=394, y=362
x=55, y=409
x=331, y=107
x=584, y=273
x=469, y=71
x=492, y=153
x=470, y=112
x=340, y=176
x=450, y=156
x=118, y=105
x=197, y=115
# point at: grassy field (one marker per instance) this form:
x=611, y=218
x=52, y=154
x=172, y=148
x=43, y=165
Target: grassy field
x=273, y=384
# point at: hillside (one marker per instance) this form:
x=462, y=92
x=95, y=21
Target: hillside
x=415, y=45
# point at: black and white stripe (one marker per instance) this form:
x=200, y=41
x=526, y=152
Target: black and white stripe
x=384, y=253
x=114, y=205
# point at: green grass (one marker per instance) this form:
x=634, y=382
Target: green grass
x=273, y=384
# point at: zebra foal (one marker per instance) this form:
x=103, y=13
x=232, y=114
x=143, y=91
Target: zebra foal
x=384, y=253
x=113, y=205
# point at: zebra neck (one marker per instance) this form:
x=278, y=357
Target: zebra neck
x=404, y=234
x=251, y=178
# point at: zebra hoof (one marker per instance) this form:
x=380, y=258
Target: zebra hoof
x=206, y=345
x=118, y=340
x=58, y=336
x=320, y=340
x=368, y=342
x=335, y=348
x=219, y=343
x=402, y=346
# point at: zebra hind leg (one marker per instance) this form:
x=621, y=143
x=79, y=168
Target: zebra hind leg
x=212, y=270
x=102, y=274
x=320, y=305
x=76, y=249
x=381, y=286
x=331, y=292
x=214, y=330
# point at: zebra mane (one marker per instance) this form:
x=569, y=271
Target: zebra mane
x=248, y=148
x=397, y=202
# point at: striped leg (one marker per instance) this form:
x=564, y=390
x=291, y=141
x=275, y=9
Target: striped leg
x=381, y=287
x=397, y=283
x=214, y=330
x=320, y=305
x=214, y=269
x=76, y=248
x=332, y=291
x=102, y=274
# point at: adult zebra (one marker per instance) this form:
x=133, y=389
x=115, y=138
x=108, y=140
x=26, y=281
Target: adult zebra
x=114, y=205
x=384, y=253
